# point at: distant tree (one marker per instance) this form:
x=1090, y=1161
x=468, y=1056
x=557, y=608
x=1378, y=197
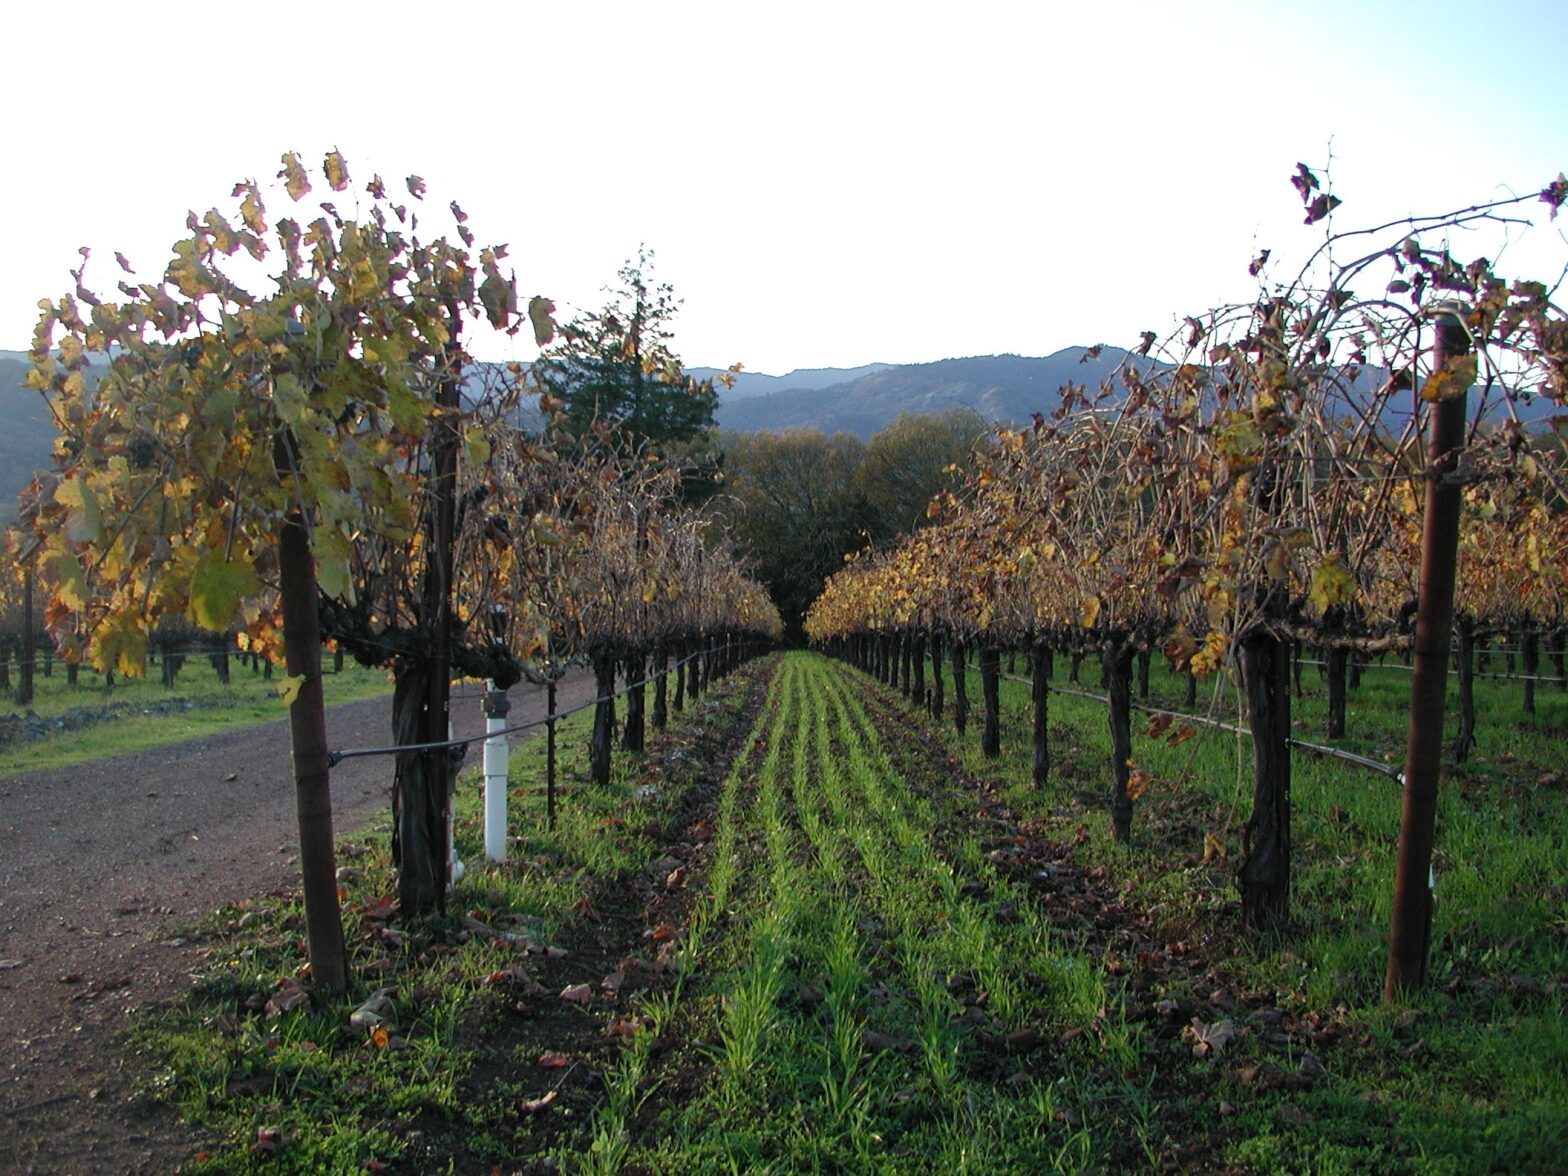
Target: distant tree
x=616, y=377
x=910, y=461
x=794, y=510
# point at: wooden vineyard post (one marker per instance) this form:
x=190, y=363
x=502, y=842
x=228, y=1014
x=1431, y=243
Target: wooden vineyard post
x=312, y=775
x=1409, y=938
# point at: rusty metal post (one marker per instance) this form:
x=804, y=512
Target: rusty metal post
x=1410, y=935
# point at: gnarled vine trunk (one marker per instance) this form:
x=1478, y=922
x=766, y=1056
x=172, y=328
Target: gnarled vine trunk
x=1118, y=687
x=938, y=702
x=1338, y=665
x=636, y=700
x=603, y=734
x=661, y=693
x=991, y=727
x=1264, y=874
x=960, y=692
x=1040, y=664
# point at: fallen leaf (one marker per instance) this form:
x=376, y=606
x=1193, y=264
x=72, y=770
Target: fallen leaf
x=532, y=1106
x=377, y=1010
x=286, y=999
x=577, y=993
x=554, y=1060
x=613, y=982
x=1210, y=1039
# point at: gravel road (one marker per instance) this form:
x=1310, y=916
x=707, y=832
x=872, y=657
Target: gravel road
x=102, y=865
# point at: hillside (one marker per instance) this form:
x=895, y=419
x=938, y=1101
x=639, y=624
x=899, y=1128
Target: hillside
x=1006, y=388
x=26, y=432
x=750, y=384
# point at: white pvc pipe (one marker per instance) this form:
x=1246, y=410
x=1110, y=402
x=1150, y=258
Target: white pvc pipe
x=496, y=707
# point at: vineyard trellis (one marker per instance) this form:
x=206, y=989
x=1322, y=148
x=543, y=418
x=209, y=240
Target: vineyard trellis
x=1252, y=485
x=325, y=461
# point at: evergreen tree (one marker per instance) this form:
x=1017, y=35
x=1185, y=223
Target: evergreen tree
x=619, y=381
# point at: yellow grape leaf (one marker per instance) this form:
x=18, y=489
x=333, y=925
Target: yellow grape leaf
x=1212, y=847
x=476, y=445
x=1332, y=584
x=1091, y=611
x=84, y=522
x=288, y=689
x=336, y=168
x=121, y=644
x=334, y=572
x=70, y=580
x=407, y=410
x=1276, y=562
x=251, y=210
x=294, y=176
x=1138, y=782
x=1240, y=442
x=219, y=587
x=499, y=298
x=540, y=310
x=1452, y=379
x=1211, y=656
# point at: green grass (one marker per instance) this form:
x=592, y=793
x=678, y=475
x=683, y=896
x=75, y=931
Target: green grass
x=865, y=992
x=1470, y=1075
x=142, y=713
x=337, y=1100
x=897, y=956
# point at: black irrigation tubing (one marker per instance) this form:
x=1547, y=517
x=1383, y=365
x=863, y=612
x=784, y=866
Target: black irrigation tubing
x=152, y=656
x=1348, y=757
x=334, y=758
x=1452, y=673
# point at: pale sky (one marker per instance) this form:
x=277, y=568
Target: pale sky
x=824, y=184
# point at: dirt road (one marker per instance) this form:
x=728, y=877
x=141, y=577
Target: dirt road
x=102, y=865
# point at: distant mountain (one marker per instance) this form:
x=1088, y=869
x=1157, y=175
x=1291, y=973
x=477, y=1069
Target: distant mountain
x=26, y=431
x=1004, y=388
x=748, y=384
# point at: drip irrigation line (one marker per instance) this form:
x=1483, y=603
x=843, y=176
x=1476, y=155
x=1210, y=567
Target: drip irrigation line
x=1348, y=757
x=1452, y=673
x=336, y=757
